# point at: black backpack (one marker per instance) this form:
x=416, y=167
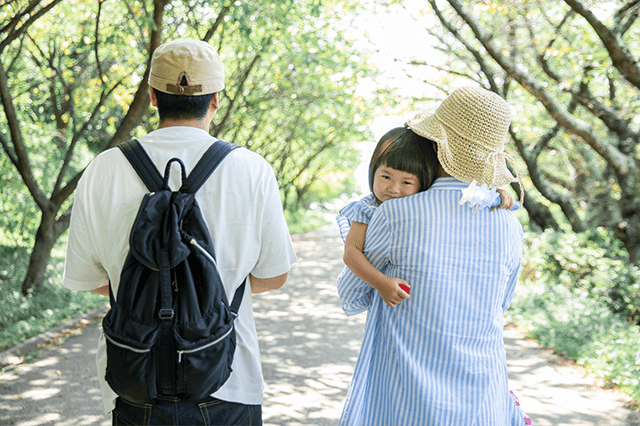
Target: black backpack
x=171, y=331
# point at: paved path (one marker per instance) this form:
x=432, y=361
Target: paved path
x=309, y=349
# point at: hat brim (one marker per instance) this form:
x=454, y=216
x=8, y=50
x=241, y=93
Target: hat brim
x=459, y=157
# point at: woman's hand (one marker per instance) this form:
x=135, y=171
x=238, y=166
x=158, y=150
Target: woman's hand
x=391, y=291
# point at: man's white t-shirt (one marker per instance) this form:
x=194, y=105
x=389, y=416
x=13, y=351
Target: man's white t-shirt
x=241, y=205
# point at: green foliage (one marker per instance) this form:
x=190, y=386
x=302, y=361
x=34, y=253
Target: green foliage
x=576, y=296
x=592, y=263
x=291, y=73
x=304, y=220
x=24, y=317
x=582, y=329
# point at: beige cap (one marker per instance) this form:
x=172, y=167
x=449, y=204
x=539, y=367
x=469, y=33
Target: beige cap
x=470, y=127
x=194, y=59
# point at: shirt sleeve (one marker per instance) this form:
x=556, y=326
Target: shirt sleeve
x=514, y=273
x=356, y=211
x=356, y=295
x=276, y=249
x=82, y=268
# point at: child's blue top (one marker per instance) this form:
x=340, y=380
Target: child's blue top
x=356, y=211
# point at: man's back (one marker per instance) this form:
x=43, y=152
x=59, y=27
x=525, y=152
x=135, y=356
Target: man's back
x=240, y=204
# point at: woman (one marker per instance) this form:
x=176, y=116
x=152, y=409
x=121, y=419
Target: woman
x=438, y=357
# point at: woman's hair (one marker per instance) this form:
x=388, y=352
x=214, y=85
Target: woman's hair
x=182, y=107
x=401, y=149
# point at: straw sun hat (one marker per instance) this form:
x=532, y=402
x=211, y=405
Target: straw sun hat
x=470, y=127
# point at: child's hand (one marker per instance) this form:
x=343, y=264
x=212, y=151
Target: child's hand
x=507, y=200
x=391, y=292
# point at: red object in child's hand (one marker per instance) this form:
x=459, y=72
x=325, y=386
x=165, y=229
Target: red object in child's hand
x=405, y=288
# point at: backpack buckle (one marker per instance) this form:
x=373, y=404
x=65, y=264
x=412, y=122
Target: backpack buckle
x=165, y=314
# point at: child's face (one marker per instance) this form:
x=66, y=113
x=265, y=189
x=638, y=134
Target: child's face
x=390, y=183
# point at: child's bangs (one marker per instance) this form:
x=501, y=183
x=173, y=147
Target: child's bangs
x=404, y=157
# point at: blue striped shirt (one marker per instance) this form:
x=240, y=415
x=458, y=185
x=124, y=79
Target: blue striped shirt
x=438, y=358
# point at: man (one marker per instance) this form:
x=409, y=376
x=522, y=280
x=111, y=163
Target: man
x=437, y=358
x=240, y=203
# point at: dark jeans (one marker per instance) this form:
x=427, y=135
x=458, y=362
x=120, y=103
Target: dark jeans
x=171, y=412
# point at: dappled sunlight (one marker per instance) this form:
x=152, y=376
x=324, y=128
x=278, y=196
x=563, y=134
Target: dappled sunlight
x=309, y=354
x=568, y=388
x=60, y=387
x=40, y=394
x=42, y=420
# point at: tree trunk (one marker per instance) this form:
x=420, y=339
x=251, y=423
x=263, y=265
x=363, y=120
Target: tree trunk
x=40, y=255
x=48, y=233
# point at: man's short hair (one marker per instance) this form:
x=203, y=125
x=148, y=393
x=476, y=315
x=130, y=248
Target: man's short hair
x=185, y=74
x=182, y=107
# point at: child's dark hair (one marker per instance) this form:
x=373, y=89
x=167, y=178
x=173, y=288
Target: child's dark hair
x=402, y=149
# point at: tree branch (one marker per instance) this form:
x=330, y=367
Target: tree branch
x=96, y=42
x=141, y=99
x=23, y=28
x=629, y=12
x=484, y=66
x=238, y=91
x=19, y=157
x=544, y=186
x=621, y=163
x=216, y=24
x=621, y=56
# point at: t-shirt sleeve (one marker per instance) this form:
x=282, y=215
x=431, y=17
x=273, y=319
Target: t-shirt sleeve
x=276, y=248
x=356, y=211
x=82, y=269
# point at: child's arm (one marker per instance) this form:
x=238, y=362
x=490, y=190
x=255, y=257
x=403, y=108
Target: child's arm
x=507, y=200
x=388, y=287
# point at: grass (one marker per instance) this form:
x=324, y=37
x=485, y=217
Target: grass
x=24, y=317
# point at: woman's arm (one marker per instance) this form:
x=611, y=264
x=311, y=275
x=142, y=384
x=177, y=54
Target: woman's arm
x=388, y=287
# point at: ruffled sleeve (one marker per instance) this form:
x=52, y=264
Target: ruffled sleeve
x=356, y=211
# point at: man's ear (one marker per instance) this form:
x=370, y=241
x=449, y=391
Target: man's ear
x=215, y=101
x=154, y=100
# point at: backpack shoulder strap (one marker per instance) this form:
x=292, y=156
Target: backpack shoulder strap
x=237, y=298
x=142, y=164
x=207, y=164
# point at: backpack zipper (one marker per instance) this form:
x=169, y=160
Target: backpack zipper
x=203, y=251
x=122, y=345
x=190, y=351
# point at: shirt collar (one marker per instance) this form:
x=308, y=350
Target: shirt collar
x=449, y=183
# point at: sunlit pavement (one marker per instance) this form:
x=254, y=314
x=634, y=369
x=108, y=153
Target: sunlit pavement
x=309, y=349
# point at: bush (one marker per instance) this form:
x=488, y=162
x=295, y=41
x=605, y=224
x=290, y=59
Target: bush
x=593, y=263
x=305, y=220
x=582, y=329
x=24, y=317
x=578, y=295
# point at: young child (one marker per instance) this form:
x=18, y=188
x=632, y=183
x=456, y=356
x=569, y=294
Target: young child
x=403, y=163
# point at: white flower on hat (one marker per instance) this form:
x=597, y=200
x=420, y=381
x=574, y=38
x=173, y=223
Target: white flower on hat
x=478, y=196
